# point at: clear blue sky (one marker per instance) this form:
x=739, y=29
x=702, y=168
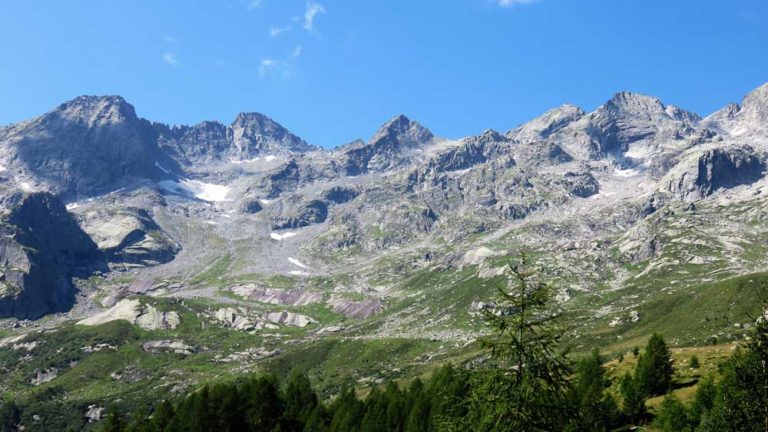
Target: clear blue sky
x=457, y=66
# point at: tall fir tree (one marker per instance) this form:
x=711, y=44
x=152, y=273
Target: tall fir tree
x=741, y=403
x=596, y=409
x=654, y=367
x=526, y=388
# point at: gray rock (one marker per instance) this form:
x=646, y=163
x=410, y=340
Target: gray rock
x=249, y=136
x=86, y=146
x=389, y=148
x=41, y=249
x=129, y=236
x=719, y=168
x=301, y=214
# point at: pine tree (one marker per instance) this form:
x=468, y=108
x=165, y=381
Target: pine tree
x=263, y=405
x=633, y=405
x=703, y=400
x=10, y=416
x=347, y=412
x=672, y=416
x=161, y=417
x=526, y=389
x=741, y=403
x=596, y=408
x=113, y=422
x=318, y=421
x=300, y=401
x=138, y=421
x=419, y=418
x=654, y=367
x=694, y=362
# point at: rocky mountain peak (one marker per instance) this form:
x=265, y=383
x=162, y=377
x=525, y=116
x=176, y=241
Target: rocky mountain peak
x=738, y=120
x=754, y=107
x=487, y=137
x=547, y=123
x=96, y=111
x=403, y=131
x=632, y=104
x=252, y=119
x=254, y=133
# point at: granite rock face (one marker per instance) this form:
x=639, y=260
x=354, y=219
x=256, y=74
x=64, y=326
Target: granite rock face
x=251, y=135
x=41, y=249
x=703, y=173
x=391, y=147
x=87, y=146
x=129, y=237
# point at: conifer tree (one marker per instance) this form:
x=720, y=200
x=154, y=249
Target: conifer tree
x=672, y=416
x=742, y=395
x=161, y=417
x=300, y=401
x=654, y=367
x=526, y=388
x=421, y=407
x=633, y=403
x=114, y=421
x=596, y=408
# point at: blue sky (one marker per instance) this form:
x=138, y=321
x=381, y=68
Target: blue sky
x=333, y=71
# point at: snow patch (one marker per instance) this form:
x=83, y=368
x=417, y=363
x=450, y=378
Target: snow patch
x=298, y=273
x=246, y=161
x=265, y=201
x=297, y=263
x=202, y=191
x=630, y=172
x=157, y=164
x=72, y=206
x=26, y=186
x=279, y=236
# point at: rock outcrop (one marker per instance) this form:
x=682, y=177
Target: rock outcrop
x=250, y=135
x=130, y=237
x=86, y=146
x=391, y=147
x=41, y=249
x=703, y=173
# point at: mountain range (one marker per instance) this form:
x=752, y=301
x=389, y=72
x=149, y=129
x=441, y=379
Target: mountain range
x=249, y=229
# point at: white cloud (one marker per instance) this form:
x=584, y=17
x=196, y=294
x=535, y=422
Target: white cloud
x=170, y=58
x=275, y=68
x=276, y=31
x=169, y=39
x=313, y=9
x=297, y=51
x=507, y=3
x=253, y=4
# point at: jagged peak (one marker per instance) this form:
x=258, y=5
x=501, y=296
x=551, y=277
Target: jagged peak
x=97, y=109
x=245, y=118
x=751, y=114
x=757, y=98
x=547, y=123
x=488, y=135
x=402, y=128
x=626, y=104
x=629, y=101
x=566, y=108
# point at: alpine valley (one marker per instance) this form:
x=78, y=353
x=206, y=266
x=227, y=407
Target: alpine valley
x=140, y=260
